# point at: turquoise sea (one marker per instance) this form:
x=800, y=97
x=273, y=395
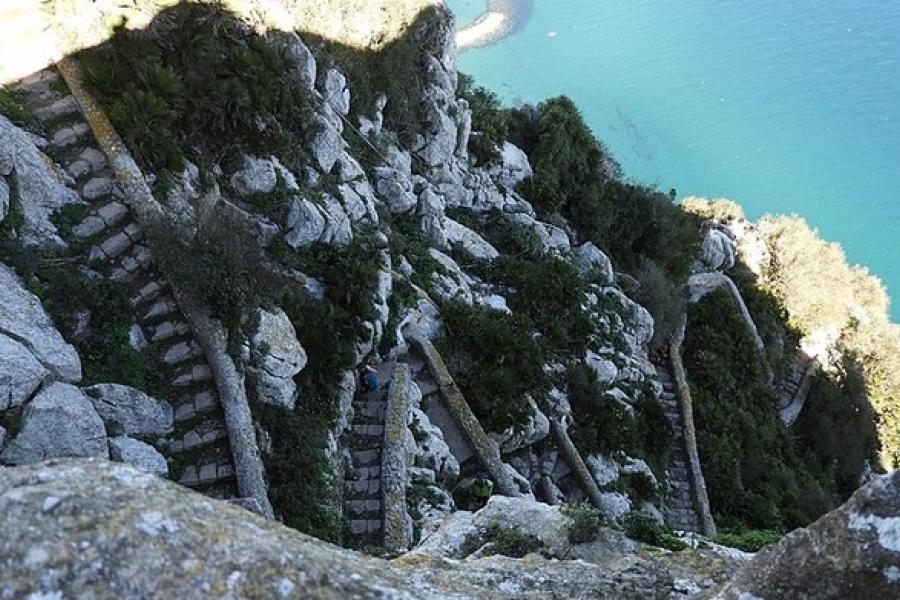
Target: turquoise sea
x=783, y=106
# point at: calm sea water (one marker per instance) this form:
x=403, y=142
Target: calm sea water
x=783, y=106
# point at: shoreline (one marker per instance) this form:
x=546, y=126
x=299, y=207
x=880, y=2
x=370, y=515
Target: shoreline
x=500, y=19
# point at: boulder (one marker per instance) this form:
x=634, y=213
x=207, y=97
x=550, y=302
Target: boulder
x=396, y=189
x=304, y=222
x=274, y=357
x=431, y=451
x=326, y=144
x=852, y=552
x=335, y=91
x=129, y=411
x=337, y=224
x=717, y=251
x=20, y=373
x=605, y=369
x=614, y=506
x=589, y=258
x=138, y=454
x=532, y=431
x=2, y=437
x=513, y=168
x=257, y=176
x=94, y=529
x=40, y=187
x=304, y=71
x=553, y=239
x=59, y=422
x=23, y=318
x=468, y=241
x=604, y=470
x=432, y=221
x=452, y=283
x=439, y=142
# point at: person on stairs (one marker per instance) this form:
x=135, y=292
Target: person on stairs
x=368, y=377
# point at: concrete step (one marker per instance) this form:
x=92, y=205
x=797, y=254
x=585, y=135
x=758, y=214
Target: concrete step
x=360, y=527
x=204, y=474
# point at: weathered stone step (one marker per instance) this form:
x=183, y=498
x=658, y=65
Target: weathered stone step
x=192, y=375
x=208, y=473
x=362, y=487
x=89, y=160
x=364, y=458
x=363, y=508
x=373, y=409
x=364, y=526
x=68, y=134
x=368, y=430
x=168, y=330
x=202, y=402
x=204, y=434
x=163, y=307
x=367, y=473
x=149, y=291
x=181, y=352
x=67, y=105
x=427, y=386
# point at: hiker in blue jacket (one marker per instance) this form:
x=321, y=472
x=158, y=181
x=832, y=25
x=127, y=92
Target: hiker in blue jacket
x=368, y=378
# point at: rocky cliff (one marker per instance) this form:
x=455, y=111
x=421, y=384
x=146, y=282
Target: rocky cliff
x=216, y=219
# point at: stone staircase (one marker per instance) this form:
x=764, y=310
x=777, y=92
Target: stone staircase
x=363, y=492
x=114, y=246
x=679, y=510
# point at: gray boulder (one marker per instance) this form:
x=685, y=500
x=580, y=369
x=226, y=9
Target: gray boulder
x=305, y=223
x=468, y=241
x=588, y=257
x=396, y=189
x=326, y=144
x=4, y=199
x=337, y=223
x=22, y=317
x=852, y=552
x=257, y=176
x=20, y=373
x=513, y=167
x=717, y=251
x=439, y=142
x=335, y=91
x=40, y=187
x=130, y=411
x=59, y=422
x=138, y=454
x=274, y=356
x=304, y=71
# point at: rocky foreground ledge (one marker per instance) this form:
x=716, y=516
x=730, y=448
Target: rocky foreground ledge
x=90, y=528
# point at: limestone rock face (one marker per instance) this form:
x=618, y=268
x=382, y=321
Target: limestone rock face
x=257, y=176
x=4, y=198
x=513, y=167
x=470, y=242
x=335, y=91
x=274, y=356
x=130, y=411
x=852, y=552
x=169, y=542
x=20, y=373
x=588, y=257
x=396, y=189
x=717, y=251
x=23, y=318
x=138, y=454
x=39, y=186
x=305, y=223
x=59, y=422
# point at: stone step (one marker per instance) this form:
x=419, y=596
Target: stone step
x=427, y=385
x=181, y=352
x=168, y=330
x=202, y=474
x=97, y=187
x=362, y=487
x=363, y=508
x=365, y=458
x=149, y=291
x=69, y=134
x=372, y=409
x=192, y=375
x=66, y=105
x=368, y=430
x=163, y=307
x=367, y=473
x=202, y=435
x=361, y=527
x=89, y=160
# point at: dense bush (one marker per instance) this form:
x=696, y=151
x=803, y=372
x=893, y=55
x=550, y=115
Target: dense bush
x=585, y=522
x=660, y=294
x=756, y=475
x=511, y=542
x=13, y=108
x=198, y=81
x=496, y=362
x=643, y=528
x=489, y=119
x=752, y=540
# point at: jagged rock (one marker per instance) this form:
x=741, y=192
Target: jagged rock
x=129, y=411
x=467, y=240
x=326, y=145
x=60, y=541
x=605, y=369
x=335, y=91
x=59, y=422
x=852, y=552
x=513, y=168
x=337, y=223
x=614, y=506
x=40, y=189
x=138, y=454
x=432, y=221
x=2, y=437
x=440, y=137
x=431, y=451
x=589, y=258
x=4, y=199
x=553, y=239
x=257, y=176
x=639, y=321
x=23, y=318
x=433, y=506
x=605, y=470
x=532, y=431
x=20, y=373
x=494, y=301
x=274, y=357
x=463, y=128
x=304, y=222
x=396, y=189
x=634, y=466
x=463, y=532
x=717, y=251
x=304, y=71
x=453, y=284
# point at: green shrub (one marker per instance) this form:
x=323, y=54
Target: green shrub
x=601, y=424
x=662, y=297
x=198, y=81
x=12, y=106
x=585, y=523
x=489, y=119
x=752, y=540
x=642, y=527
x=496, y=362
x=511, y=542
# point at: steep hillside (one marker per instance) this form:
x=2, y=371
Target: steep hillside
x=285, y=255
